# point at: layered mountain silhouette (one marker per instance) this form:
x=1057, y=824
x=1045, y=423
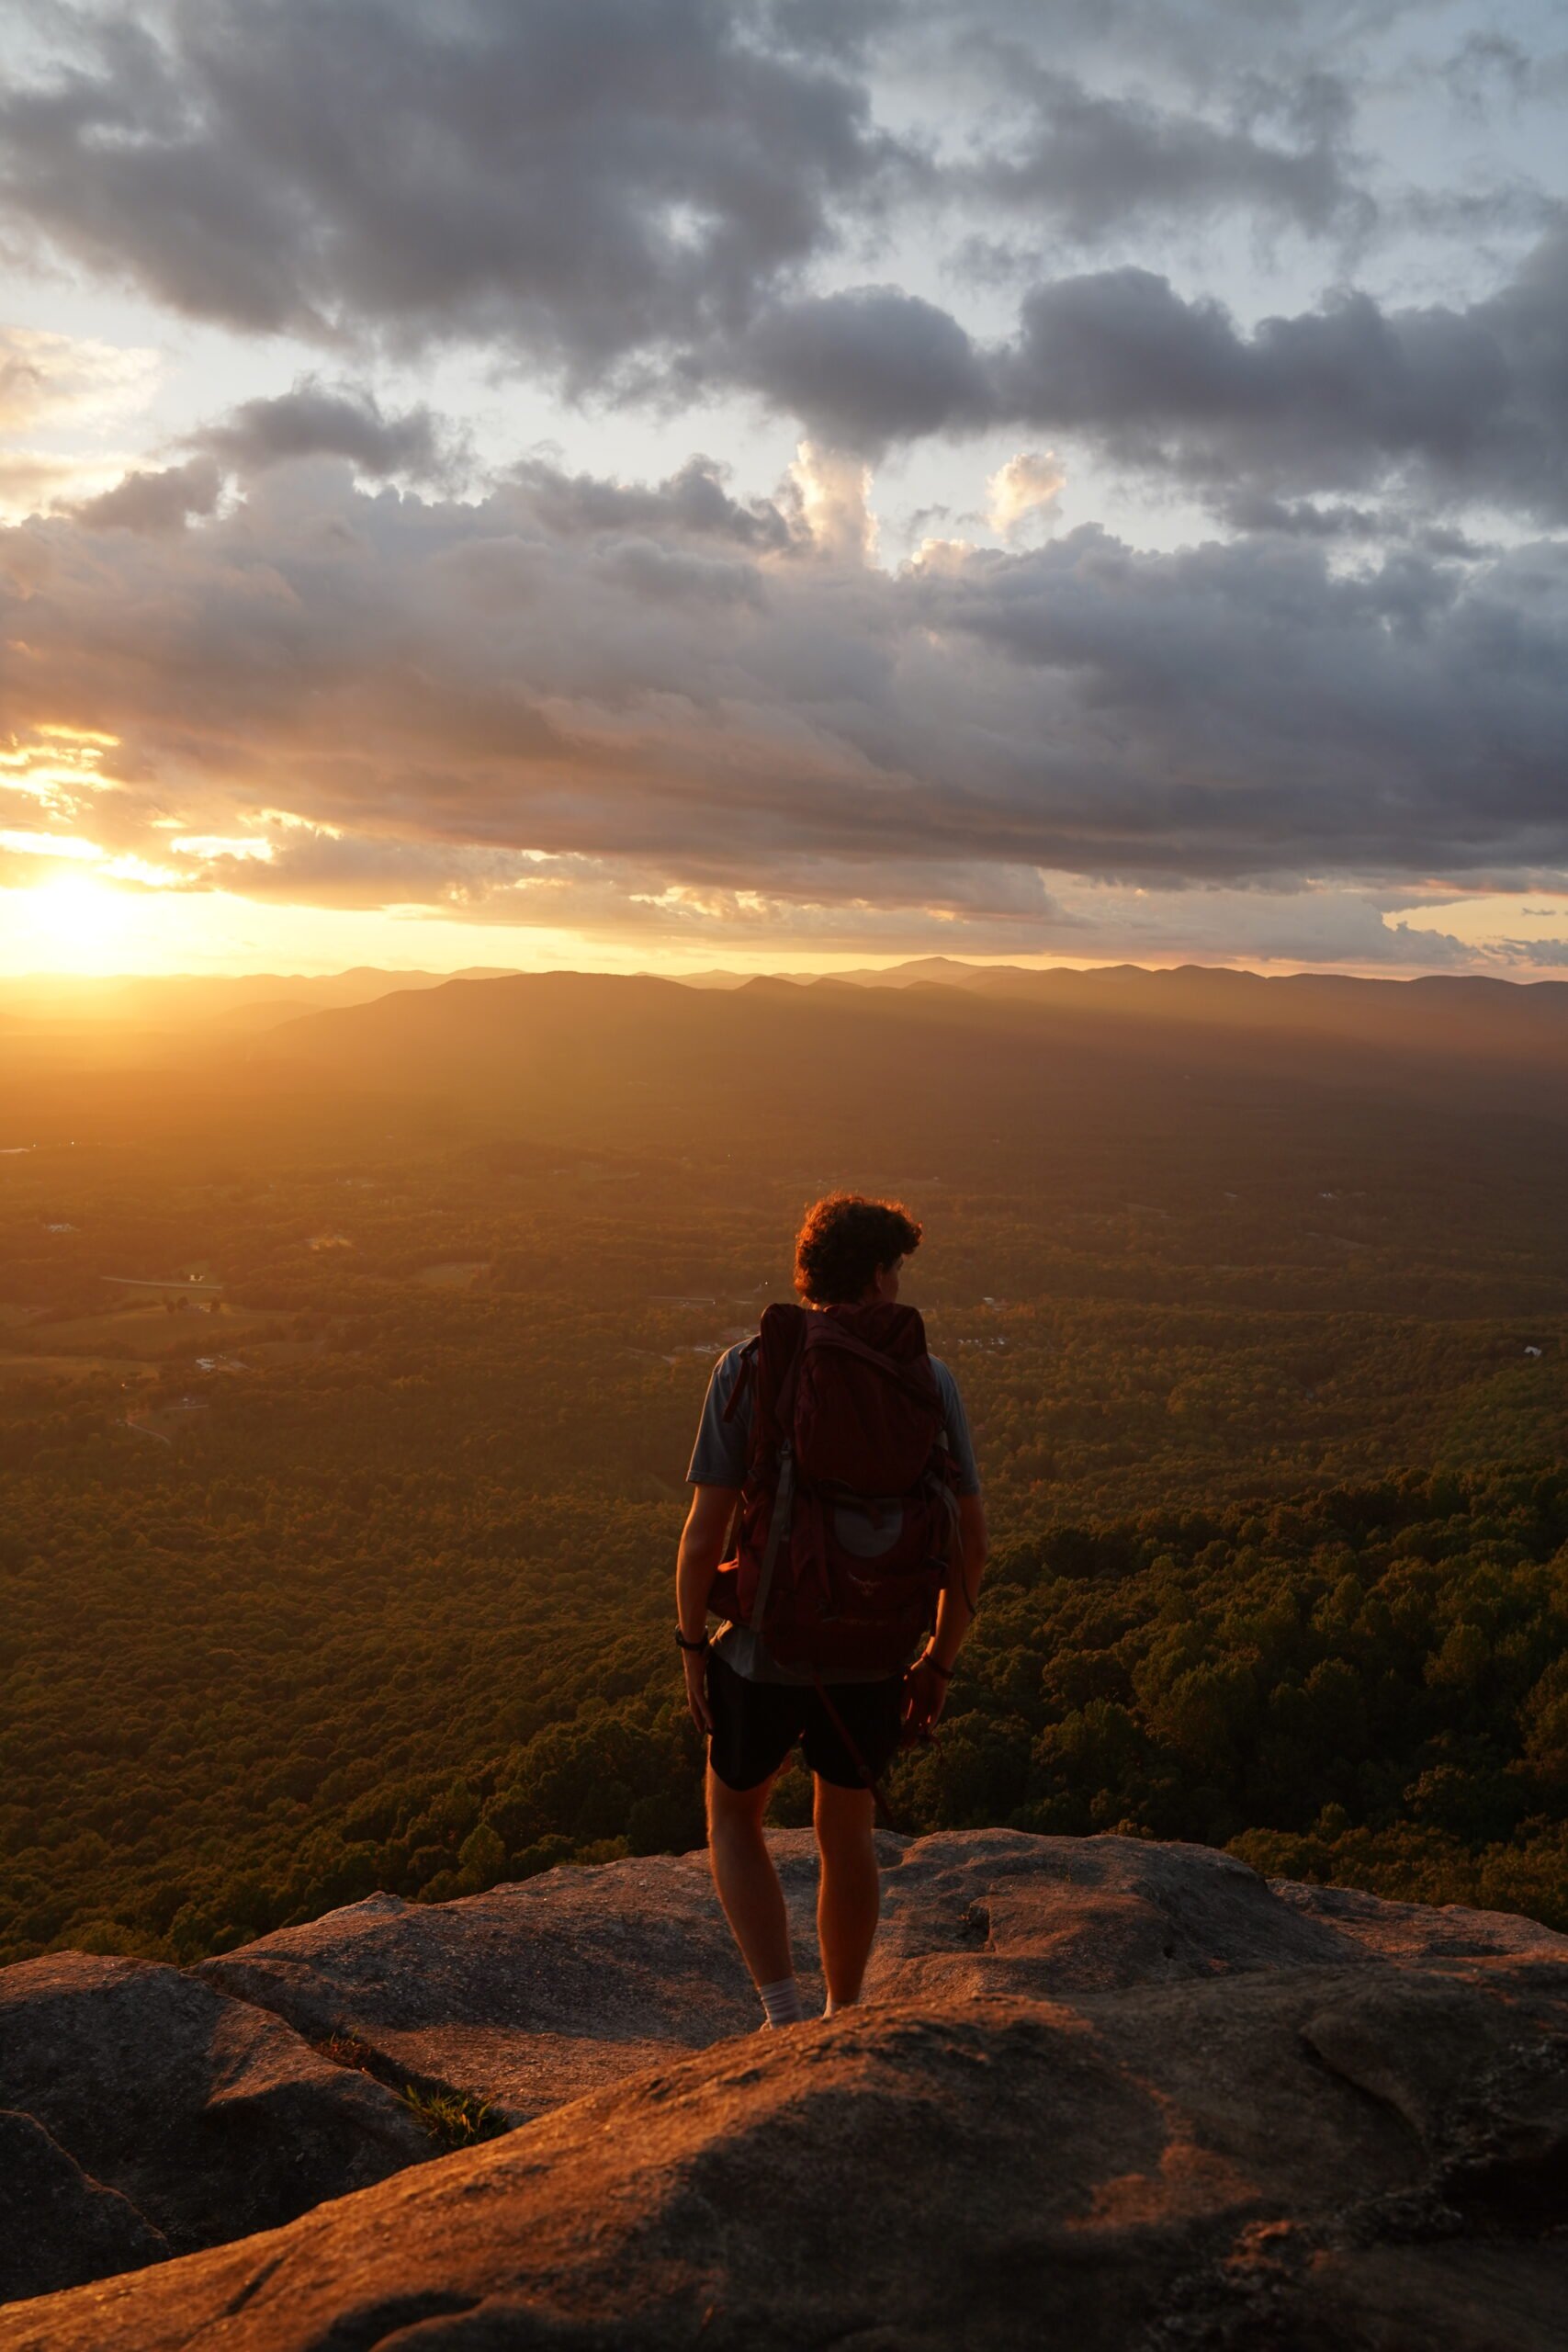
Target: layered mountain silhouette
x=1044, y=1073
x=769, y=1037
x=1104, y=2091
x=1123, y=1007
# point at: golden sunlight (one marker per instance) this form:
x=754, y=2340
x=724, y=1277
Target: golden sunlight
x=74, y=923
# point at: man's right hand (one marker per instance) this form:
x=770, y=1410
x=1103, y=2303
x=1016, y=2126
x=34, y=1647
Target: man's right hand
x=695, y=1663
x=702, y=1548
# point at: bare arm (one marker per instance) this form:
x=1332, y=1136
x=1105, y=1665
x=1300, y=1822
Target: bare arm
x=954, y=1615
x=702, y=1548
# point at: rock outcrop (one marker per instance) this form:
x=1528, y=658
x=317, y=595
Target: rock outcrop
x=526, y=1996
x=1117, y=2092
x=532, y=1995
x=206, y=2117
x=57, y=2226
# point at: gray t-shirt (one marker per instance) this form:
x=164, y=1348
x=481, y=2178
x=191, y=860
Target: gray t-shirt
x=719, y=1459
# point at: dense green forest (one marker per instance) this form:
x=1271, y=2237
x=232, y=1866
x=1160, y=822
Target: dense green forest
x=344, y=1406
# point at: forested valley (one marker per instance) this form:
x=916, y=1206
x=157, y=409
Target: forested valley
x=350, y=1362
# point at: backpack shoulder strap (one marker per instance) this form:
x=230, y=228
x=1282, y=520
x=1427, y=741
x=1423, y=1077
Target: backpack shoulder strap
x=780, y=1339
x=745, y=1379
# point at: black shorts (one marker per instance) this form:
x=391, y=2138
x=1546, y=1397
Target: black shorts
x=755, y=1724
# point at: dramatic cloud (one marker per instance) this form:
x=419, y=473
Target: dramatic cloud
x=1467, y=401
x=1200, y=270
x=313, y=421
x=578, y=179
x=721, y=698
x=330, y=421
x=1453, y=403
x=640, y=196
x=865, y=368
x=589, y=182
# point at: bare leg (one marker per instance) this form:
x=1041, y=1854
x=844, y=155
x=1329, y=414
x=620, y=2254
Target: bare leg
x=849, y=1898
x=747, y=1881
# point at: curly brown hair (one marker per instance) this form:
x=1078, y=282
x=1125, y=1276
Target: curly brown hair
x=845, y=1242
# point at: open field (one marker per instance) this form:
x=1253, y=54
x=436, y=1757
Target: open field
x=151, y=1330
x=77, y=1367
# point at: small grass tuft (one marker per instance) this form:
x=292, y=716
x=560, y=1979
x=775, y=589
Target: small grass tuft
x=347, y=2049
x=454, y=2119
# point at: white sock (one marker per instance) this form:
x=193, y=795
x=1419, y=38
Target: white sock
x=781, y=2001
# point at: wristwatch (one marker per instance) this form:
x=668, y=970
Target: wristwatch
x=683, y=1643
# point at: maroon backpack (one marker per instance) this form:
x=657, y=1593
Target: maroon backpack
x=845, y=1526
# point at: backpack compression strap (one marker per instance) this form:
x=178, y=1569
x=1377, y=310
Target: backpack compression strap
x=777, y=1409
x=778, y=1528
x=832, y=1335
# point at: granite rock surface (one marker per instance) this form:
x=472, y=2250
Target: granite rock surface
x=57, y=2227
x=1230, y=2162
x=1122, y=2093
x=206, y=2117
x=536, y=1994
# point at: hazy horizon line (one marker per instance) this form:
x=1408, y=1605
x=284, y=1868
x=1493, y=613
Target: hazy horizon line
x=879, y=967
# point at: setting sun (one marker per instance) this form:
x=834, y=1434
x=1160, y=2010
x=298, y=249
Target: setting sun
x=74, y=925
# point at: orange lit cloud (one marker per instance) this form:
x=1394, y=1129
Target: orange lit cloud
x=645, y=707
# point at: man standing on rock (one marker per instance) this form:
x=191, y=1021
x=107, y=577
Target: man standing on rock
x=836, y=1453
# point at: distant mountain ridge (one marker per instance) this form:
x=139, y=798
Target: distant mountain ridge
x=1082, y=1089
x=246, y=998
x=815, y=1032
x=1442, y=1012
x=809, y=1073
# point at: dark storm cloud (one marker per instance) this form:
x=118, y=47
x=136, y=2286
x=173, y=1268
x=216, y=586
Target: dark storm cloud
x=1292, y=719
x=322, y=420
x=582, y=179
x=1252, y=510
x=1472, y=402
x=636, y=196
x=605, y=187
x=866, y=367
x=553, y=669
x=1462, y=402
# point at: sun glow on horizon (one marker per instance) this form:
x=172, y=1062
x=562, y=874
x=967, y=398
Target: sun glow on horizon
x=74, y=923
x=98, y=914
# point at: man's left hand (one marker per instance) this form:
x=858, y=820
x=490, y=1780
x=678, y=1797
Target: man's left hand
x=695, y=1663
x=925, y=1695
